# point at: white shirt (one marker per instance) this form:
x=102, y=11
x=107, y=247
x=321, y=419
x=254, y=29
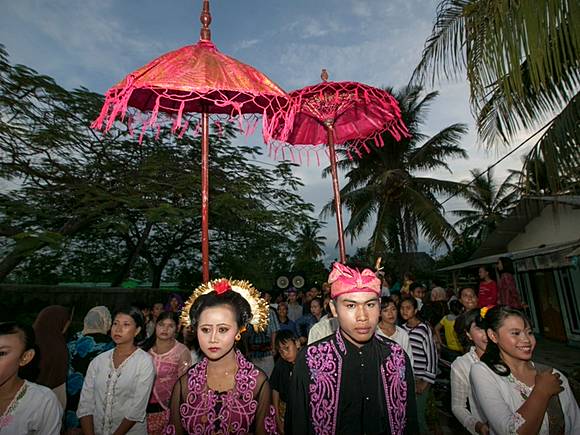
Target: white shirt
x=323, y=328
x=461, y=393
x=34, y=410
x=499, y=397
x=110, y=394
x=401, y=338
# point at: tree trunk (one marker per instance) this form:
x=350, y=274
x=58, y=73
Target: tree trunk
x=157, y=271
x=133, y=256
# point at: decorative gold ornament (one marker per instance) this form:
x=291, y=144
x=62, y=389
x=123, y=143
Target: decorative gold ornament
x=259, y=306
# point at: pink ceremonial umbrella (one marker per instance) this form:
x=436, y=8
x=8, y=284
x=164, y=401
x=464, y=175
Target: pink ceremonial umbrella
x=345, y=113
x=193, y=79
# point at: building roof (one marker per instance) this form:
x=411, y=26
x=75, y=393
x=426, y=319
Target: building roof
x=527, y=209
x=545, y=256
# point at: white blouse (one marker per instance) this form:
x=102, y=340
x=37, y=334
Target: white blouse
x=34, y=410
x=401, y=338
x=499, y=397
x=461, y=394
x=111, y=394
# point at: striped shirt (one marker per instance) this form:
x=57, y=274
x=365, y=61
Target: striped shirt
x=424, y=352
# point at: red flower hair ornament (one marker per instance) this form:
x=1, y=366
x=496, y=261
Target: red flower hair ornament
x=259, y=307
x=222, y=286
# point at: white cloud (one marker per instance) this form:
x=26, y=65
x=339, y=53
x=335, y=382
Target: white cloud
x=245, y=44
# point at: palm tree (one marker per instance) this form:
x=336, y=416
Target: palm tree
x=522, y=62
x=385, y=186
x=490, y=203
x=309, y=243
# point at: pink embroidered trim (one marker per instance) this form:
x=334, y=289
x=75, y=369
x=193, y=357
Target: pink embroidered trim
x=270, y=422
x=393, y=377
x=200, y=414
x=325, y=366
x=340, y=341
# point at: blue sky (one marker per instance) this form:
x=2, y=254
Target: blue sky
x=378, y=42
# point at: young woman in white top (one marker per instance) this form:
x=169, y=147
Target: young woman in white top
x=118, y=382
x=468, y=327
x=514, y=395
x=388, y=328
x=25, y=407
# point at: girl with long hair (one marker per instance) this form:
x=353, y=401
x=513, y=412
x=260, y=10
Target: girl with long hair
x=50, y=328
x=506, y=286
x=171, y=360
x=514, y=394
x=118, y=382
x=471, y=334
x=224, y=392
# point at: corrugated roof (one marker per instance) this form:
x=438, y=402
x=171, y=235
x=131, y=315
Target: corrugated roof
x=572, y=246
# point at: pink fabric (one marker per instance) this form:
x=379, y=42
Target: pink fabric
x=359, y=113
x=193, y=79
x=508, y=292
x=169, y=367
x=207, y=412
x=487, y=294
x=157, y=422
x=345, y=280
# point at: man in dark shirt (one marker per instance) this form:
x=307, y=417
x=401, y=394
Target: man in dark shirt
x=352, y=382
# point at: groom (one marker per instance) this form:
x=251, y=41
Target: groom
x=352, y=382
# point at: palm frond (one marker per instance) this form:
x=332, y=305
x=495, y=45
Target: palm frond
x=444, y=52
x=559, y=149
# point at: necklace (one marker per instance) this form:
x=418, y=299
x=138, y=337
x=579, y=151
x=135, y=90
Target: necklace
x=7, y=417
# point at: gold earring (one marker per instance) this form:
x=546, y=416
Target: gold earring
x=238, y=336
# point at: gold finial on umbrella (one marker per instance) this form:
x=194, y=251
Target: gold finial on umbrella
x=205, y=18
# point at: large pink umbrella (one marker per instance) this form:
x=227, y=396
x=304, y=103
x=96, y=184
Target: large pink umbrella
x=194, y=79
x=346, y=113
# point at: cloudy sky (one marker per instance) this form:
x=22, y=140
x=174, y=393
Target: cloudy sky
x=378, y=42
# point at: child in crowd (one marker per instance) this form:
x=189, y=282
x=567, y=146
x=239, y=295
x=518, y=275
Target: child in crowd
x=488, y=295
x=424, y=356
x=171, y=359
x=388, y=328
x=287, y=346
x=451, y=349
x=470, y=330
x=25, y=407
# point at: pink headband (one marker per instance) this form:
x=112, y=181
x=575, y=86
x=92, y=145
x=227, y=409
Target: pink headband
x=343, y=280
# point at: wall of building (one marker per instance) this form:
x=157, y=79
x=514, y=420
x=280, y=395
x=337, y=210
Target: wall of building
x=554, y=225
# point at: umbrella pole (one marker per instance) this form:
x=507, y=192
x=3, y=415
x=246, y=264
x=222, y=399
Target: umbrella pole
x=336, y=189
x=205, y=196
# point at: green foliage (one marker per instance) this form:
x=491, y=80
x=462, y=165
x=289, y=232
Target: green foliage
x=309, y=245
x=461, y=251
x=384, y=188
x=523, y=65
x=490, y=203
x=92, y=207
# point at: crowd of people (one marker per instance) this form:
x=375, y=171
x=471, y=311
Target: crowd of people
x=358, y=355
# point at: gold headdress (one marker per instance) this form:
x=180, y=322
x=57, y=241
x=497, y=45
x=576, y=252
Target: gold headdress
x=259, y=306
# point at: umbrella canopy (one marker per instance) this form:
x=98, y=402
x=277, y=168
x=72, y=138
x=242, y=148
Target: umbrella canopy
x=195, y=79
x=347, y=113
